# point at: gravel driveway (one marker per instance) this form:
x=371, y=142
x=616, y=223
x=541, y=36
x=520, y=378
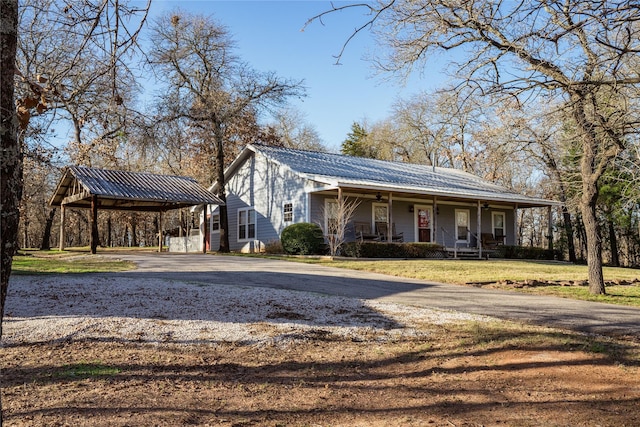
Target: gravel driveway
x=564, y=313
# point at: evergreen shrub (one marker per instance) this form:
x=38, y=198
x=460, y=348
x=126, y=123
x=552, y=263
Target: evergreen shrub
x=393, y=250
x=525, y=252
x=303, y=239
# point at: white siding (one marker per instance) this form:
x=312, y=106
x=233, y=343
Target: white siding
x=265, y=186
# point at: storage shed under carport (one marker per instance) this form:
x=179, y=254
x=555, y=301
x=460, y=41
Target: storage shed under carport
x=92, y=188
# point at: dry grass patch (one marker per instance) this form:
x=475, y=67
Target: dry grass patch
x=465, y=374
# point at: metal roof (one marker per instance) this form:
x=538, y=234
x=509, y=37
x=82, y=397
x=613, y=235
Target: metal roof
x=379, y=175
x=124, y=190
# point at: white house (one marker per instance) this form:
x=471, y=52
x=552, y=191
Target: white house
x=269, y=188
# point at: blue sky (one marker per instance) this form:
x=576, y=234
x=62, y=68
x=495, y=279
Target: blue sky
x=269, y=37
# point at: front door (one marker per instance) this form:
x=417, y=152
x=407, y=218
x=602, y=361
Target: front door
x=424, y=223
x=462, y=225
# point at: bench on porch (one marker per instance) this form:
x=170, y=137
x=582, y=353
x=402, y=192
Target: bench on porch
x=383, y=231
x=363, y=232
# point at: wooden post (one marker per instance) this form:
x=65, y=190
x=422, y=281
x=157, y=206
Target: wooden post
x=479, y=230
x=515, y=226
x=62, y=220
x=434, y=218
x=94, y=224
x=550, y=228
x=160, y=231
x=390, y=218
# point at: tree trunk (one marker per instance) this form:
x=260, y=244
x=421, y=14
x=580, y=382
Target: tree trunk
x=10, y=153
x=566, y=217
x=594, y=247
x=613, y=241
x=45, y=245
x=109, y=241
x=568, y=229
x=222, y=193
x=590, y=174
x=134, y=230
x=94, y=225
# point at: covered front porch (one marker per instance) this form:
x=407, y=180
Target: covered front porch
x=463, y=225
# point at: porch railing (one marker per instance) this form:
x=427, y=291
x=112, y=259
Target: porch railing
x=455, y=241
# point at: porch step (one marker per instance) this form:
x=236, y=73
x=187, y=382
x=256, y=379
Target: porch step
x=467, y=253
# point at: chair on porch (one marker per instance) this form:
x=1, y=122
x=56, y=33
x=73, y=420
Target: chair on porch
x=488, y=241
x=383, y=231
x=363, y=232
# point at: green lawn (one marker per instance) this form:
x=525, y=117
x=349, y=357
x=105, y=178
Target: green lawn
x=74, y=261
x=479, y=272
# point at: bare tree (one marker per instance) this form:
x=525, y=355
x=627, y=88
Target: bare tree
x=292, y=131
x=211, y=87
x=339, y=214
x=72, y=67
x=584, y=54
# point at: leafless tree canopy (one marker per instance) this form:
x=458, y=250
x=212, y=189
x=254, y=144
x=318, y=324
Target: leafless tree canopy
x=583, y=55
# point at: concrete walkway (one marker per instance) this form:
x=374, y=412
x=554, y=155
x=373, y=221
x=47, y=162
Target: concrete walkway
x=563, y=313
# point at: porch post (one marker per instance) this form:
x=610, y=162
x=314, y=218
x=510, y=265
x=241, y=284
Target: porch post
x=434, y=238
x=390, y=218
x=62, y=219
x=550, y=227
x=515, y=225
x=479, y=230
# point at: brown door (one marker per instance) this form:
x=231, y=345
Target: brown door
x=424, y=224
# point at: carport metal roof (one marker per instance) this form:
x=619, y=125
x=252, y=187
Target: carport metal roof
x=124, y=190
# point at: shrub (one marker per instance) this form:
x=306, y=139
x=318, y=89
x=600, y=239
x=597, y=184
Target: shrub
x=273, y=247
x=525, y=252
x=303, y=239
x=393, y=250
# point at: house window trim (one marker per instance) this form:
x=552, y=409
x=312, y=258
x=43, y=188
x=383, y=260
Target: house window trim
x=327, y=202
x=284, y=213
x=455, y=225
x=374, y=205
x=255, y=225
x=504, y=224
x=211, y=222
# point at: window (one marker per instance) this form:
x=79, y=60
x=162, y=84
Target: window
x=287, y=212
x=462, y=225
x=498, y=225
x=330, y=215
x=380, y=212
x=215, y=223
x=246, y=224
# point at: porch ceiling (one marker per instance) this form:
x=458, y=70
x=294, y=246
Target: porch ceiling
x=403, y=193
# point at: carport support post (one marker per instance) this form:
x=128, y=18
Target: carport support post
x=160, y=231
x=62, y=219
x=204, y=228
x=94, y=224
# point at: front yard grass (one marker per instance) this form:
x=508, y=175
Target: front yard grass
x=485, y=272
x=73, y=261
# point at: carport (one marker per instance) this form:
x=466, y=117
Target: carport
x=94, y=189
